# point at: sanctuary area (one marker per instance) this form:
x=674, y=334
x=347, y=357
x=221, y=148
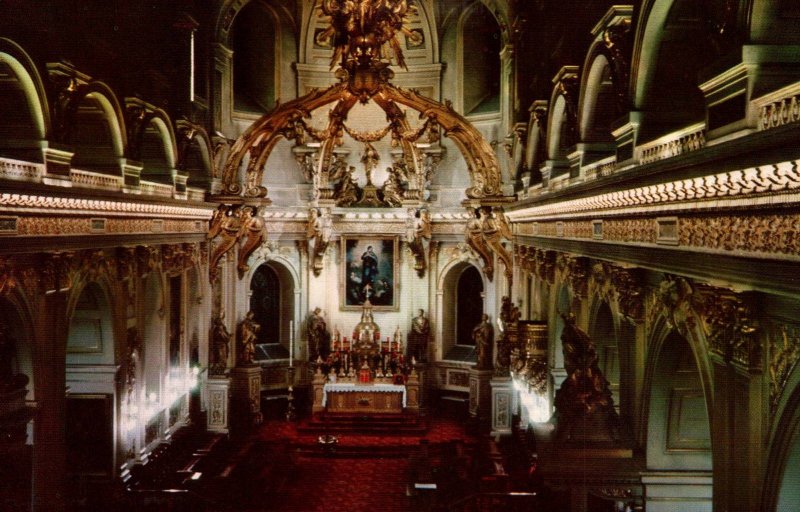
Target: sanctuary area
x=399, y=255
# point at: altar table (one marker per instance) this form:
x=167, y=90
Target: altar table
x=366, y=398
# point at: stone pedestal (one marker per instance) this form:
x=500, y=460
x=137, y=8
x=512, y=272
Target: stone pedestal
x=317, y=387
x=502, y=405
x=246, y=395
x=217, y=406
x=413, y=390
x=480, y=393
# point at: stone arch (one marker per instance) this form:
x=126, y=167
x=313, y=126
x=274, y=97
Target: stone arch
x=597, y=107
x=782, y=476
x=288, y=302
x=671, y=46
x=96, y=130
x=15, y=315
x=558, y=125
x=157, y=147
x=195, y=154
x=24, y=110
x=447, y=311
x=92, y=334
x=676, y=381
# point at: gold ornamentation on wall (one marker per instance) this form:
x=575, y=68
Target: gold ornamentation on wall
x=731, y=327
x=784, y=348
x=235, y=224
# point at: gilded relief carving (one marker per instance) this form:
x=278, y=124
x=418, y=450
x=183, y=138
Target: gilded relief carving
x=784, y=348
x=731, y=327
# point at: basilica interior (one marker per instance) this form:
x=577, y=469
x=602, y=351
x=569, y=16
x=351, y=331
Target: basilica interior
x=428, y=255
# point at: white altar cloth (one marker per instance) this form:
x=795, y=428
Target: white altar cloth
x=353, y=388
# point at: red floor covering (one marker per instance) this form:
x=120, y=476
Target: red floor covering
x=352, y=484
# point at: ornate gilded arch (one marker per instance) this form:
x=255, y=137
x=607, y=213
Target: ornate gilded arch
x=364, y=53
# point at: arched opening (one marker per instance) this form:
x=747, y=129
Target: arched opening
x=22, y=124
x=197, y=163
x=678, y=428
x=469, y=305
x=96, y=136
x=599, y=107
x=16, y=386
x=157, y=152
x=678, y=432
x=605, y=339
x=272, y=302
x=254, y=36
x=673, y=49
x=558, y=132
x=481, y=41
x=462, y=307
x=91, y=381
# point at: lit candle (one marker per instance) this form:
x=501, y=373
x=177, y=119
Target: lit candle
x=291, y=343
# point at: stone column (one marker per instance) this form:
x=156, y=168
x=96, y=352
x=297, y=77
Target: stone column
x=48, y=488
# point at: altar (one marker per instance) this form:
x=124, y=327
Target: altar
x=364, y=375
x=359, y=398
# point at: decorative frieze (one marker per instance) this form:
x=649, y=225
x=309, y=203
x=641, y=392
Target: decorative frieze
x=50, y=225
x=737, y=184
x=75, y=205
x=774, y=234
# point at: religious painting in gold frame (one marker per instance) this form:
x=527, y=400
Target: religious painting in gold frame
x=369, y=270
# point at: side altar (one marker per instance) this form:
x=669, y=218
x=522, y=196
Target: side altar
x=365, y=374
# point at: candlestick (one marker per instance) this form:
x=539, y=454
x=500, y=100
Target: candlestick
x=291, y=343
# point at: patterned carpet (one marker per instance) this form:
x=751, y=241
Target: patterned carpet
x=376, y=478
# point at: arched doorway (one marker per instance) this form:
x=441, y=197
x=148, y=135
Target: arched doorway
x=272, y=302
x=16, y=387
x=462, y=307
x=91, y=383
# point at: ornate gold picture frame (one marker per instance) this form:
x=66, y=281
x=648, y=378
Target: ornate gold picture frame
x=369, y=270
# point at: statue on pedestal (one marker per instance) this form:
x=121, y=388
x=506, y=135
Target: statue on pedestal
x=248, y=332
x=584, y=404
x=483, y=336
x=319, y=338
x=220, y=345
x=418, y=337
